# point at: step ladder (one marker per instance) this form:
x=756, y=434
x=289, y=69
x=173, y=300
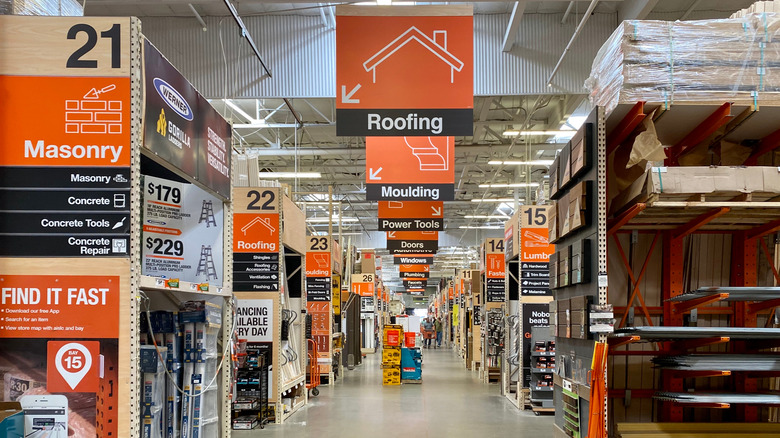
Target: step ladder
x=207, y=214
x=206, y=263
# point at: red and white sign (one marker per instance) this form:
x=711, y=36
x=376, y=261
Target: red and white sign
x=59, y=306
x=256, y=232
x=73, y=366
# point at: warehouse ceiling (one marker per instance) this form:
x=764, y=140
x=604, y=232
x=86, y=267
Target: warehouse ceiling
x=300, y=134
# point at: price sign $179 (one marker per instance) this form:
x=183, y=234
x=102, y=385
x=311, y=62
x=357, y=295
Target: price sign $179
x=164, y=193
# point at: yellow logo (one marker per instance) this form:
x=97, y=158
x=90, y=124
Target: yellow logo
x=161, y=124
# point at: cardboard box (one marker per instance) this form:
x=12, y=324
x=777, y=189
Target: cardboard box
x=564, y=170
x=562, y=215
x=580, y=150
x=552, y=222
x=391, y=356
x=554, y=169
x=391, y=375
x=578, y=204
x=368, y=262
x=11, y=420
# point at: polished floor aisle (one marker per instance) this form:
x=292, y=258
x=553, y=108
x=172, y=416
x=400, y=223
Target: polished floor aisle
x=451, y=402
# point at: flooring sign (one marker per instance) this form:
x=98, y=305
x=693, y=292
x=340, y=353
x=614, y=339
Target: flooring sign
x=403, y=71
x=182, y=232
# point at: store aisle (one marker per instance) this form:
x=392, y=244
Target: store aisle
x=451, y=402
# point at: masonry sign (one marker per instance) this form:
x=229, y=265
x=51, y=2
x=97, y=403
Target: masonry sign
x=404, y=71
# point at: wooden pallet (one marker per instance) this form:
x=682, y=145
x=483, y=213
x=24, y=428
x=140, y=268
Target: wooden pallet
x=412, y=381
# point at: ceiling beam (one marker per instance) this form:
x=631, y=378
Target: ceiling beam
x=360, y=152
x=513, y=26
x=635, y=9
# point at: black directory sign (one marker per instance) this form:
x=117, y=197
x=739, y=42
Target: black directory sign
x=258, y=272
x=496, y=289
x=534, y=315
x=318, y=289
x=535, y=279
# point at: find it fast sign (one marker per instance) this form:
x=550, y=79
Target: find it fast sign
x=404, y=71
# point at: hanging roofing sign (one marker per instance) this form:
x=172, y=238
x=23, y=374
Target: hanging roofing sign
x=404, y=70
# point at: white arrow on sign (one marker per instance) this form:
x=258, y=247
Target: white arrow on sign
x=374, y=176
x=347, y=97
x=436, y=211
x=391, y=234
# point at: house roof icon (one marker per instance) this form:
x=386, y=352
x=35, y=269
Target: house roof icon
x=436, y=45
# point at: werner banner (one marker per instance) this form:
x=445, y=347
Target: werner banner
x=410, y=168
x=404, y=70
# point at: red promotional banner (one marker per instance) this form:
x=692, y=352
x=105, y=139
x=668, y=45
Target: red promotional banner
x=59, y=306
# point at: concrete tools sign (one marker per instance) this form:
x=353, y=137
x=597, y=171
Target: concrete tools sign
x=411, y=215
x=404, y=70
x=410, y=168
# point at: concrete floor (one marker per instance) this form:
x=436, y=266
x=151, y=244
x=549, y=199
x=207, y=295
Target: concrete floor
x=451, y=402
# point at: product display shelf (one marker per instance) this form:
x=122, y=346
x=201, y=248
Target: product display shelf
x=722, y=292
x=511, y=358
x=577, y=227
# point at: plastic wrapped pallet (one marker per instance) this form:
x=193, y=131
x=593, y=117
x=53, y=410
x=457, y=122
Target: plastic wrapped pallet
x=70, y=8
x=689, y=61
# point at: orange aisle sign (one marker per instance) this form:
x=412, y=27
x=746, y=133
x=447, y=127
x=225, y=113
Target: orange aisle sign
x=535, y=251
x=363, y=284
x=404, y=70
x=410, y=168
x=495, y=271
x=318, y=269
x=411, y=215
x=412, y=242
x=256, y=239
x=414, y=271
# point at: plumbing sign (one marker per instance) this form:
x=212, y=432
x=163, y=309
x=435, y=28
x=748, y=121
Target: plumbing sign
x=404, y=70
x=410, y=168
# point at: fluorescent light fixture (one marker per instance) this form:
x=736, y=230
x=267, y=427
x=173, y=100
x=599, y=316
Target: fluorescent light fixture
x=335, y=219
x=521, y=163
x=384, y=2
x=497, y=200
x=484, y=216
x=515, y=133
x=243, y=113
x=289, y=175
x=481, y=227
x=325, y=203
x=507, y=185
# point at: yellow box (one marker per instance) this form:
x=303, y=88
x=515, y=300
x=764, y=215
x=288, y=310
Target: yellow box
x=391, y=356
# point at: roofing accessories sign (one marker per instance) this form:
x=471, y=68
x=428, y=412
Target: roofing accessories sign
x=404, y=71
x=410, y=169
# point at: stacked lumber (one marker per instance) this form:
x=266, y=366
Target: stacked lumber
x=702, y=61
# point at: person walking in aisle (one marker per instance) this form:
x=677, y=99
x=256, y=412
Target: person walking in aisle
x=427, y=326
x=437, y=326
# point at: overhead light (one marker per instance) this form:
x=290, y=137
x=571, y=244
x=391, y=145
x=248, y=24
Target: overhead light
x=384, y=2
x=481, y=227
x=243, y=113
x=349, y=234
x=506, y=185
x=484, y=216
x=497, y=200
x=335, y=219
x=515, y=133
x=335, y=202
x=287, y=175
x=521, y=163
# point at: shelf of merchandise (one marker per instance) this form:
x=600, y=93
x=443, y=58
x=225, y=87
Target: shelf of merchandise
x=678, y=224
